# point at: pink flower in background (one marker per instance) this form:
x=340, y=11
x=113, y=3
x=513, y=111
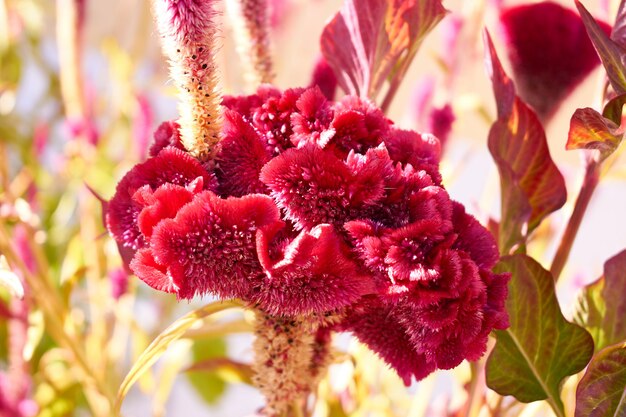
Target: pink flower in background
x=549, y=51
x=318, y=207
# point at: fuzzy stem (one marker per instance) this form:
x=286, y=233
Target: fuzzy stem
x=188, y=35
x=286, y=364
x=250, y=20
x=592, y=177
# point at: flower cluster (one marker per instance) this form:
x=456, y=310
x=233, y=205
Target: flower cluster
x=315, y=207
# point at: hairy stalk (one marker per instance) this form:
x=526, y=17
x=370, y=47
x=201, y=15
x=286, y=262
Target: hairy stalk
x=592, y=177
x=188, y=37
x=250, y=20
x=290, y=359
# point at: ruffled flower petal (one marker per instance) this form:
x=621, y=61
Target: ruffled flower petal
x=210, y=246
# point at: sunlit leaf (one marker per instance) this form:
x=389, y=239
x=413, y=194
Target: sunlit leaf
x=590, y=130
x=602, y=390
x=540, y=348
x=602, y=305
x=159, y=345
x=370, y=41
x=532, y=186
x=209, y=385
x=611, y=53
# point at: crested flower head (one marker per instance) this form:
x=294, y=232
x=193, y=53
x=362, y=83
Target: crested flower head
x=552, y=58
x=317, y=209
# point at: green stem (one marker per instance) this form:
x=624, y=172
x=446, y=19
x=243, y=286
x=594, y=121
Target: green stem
x=592, y=177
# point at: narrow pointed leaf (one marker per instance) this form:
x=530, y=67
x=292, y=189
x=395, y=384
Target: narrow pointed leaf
x=368, y=41
x=532, y=186
x=540, y=348
x=602, y=390
x=602, y=305
x=611, y=54
x=590, y=130
x=159, y=345
x=618, y=34
x=227, y=368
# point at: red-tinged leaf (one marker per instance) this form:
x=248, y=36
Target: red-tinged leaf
x=602, y=305
x=610, y=52
x=602, y=390
x=370, y=41
x=532, y=358
x=503, y=87
x=613, y=110
x=590, y=130
x=618, y=34
x=532, y=186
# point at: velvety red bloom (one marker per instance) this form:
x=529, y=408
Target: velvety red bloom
x=167, y=134
x=171, y=166
x=550, y=52
x=243, y=155
x=315, y=274
x=319, y=208
x=210, y=246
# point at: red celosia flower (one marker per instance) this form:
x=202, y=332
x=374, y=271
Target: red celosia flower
x=210, y=246
x=323, y=208
x=167, y=134
x=170, y=166
x=316, y=274
x=550, y=52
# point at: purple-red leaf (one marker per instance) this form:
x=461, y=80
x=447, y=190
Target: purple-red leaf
x=532, y=186
x=370, y=41
x=618, y=34
x=602, y=390
x=613, y=109
x=590, y=130
x=610, y=52
x=602, y=306
x=540, y=348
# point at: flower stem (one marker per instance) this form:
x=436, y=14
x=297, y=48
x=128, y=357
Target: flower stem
x=592, y=177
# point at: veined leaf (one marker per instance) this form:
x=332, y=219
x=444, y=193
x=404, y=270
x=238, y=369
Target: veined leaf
x=602, y=390
x=532, y=186
x=611, y=54
x=159, y=345
x=590, y=130
x=370, y=41
x=540, y=348
x=602, y=305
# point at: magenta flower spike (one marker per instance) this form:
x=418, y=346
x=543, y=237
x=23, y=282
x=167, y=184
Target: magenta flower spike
x=553, y=58
x=188, y=32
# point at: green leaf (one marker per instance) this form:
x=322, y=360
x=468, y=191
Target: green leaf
x=590, y=130
x=228, y=369
x=159, y=345
x=602, y=305
x=613, y=109
x=540, y=348
x=611, y=54
x=209, y=385
x=602, y=390
x=531, y=185
x=370, y=41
